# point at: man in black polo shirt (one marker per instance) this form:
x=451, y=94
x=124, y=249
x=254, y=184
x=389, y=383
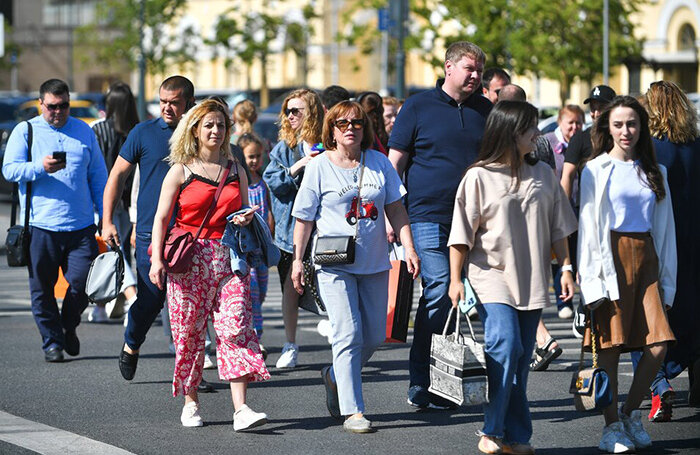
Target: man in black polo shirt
x=435, y=138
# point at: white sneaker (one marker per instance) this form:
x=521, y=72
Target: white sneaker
x=190, y=415
x=633, y=428
x=288, y=359
x=245, y=419
x=209, y=364
x=325, y=329
x=615, y=439
x=98, y=315
x=565, y=313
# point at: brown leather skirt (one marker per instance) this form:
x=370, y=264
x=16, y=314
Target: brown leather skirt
x=639, y=318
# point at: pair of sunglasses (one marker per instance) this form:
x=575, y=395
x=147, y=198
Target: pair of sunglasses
x=343, y=124
x=294, y=111
x=55, y=107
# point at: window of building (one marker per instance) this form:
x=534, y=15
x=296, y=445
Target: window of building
x=686, y=37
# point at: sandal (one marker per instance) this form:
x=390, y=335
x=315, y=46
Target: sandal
x=545, y=355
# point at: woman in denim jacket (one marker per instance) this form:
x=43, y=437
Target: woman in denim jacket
x=301, y=121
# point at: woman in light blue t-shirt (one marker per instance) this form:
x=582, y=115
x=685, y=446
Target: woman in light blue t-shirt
x=355, y=294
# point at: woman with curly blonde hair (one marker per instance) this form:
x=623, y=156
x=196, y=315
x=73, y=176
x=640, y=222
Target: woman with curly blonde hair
x=200, y=157
x=301, y=123
x=673, y=124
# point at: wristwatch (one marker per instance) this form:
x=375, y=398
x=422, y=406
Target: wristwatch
x=567, y=268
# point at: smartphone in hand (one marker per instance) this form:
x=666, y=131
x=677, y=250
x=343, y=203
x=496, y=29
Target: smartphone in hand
x=59, y=156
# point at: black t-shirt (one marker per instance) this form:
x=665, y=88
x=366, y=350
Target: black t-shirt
x=580, y=148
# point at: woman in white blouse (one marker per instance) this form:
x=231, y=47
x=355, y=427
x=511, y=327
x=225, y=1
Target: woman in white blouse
x=627, y=260
x=510, y=212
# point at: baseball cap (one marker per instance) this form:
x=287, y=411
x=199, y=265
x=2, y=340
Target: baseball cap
x=602, y=93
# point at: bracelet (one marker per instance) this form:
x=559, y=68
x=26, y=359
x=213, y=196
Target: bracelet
x=567, y=268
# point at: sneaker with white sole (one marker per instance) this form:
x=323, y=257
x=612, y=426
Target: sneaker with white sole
x=615, y=439
x=634, y=429
x=209, y=364
x=288, y=359
x=98, y=315
x=190, y=415
x=245, y=419
x=566, y=312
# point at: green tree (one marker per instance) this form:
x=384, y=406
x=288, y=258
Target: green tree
x=557, y=39
x=256, y=35
x=113, y=39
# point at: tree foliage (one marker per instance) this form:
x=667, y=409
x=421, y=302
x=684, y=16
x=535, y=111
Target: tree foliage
x=114, y=37
x=557, y=39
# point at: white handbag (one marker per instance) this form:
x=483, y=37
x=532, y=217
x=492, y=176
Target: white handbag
x=105, y=277
x=458, y=366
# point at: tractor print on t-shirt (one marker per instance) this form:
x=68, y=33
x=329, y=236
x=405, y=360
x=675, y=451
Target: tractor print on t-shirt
x=367, y=209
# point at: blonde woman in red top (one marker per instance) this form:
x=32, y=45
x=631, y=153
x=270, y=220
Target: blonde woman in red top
x=199, y=155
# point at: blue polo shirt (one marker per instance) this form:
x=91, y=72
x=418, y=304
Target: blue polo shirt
x=147, y=145
x=66, y=200
x=443, y=139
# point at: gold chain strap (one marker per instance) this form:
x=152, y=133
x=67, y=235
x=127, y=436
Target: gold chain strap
x=593, y=349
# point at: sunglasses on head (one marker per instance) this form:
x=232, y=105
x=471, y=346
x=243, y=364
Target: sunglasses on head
x=55, y=107
x=343, y=124
x=294, y=111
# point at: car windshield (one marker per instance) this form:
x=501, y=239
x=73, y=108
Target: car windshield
x=84, y=112
x=7, y=112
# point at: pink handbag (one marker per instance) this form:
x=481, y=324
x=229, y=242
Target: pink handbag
x=179, y=243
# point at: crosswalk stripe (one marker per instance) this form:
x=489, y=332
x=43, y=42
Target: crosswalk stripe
x=49, y=440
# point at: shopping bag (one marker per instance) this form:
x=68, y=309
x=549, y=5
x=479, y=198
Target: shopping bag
x=105, y=277
x=59, y=290
x=400, y=302
x=458, y=366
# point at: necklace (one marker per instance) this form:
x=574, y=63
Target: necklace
x=201, y=164
x=354, y=175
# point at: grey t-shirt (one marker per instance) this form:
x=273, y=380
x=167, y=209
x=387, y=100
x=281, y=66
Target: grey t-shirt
x=328, y=195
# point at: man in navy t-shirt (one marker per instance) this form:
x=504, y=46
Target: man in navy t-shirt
x=147, y=145
x=435, y=138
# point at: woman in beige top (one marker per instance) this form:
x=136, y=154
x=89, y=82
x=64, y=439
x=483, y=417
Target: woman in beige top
x=510, y=212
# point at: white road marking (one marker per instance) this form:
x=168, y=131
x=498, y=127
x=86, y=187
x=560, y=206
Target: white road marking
x=49, y=440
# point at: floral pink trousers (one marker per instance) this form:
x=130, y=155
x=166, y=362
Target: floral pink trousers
x=210, y=288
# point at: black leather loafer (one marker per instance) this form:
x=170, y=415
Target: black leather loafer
x=205, y=387
x=53, y=355
x=127, y=364
x=71, y=343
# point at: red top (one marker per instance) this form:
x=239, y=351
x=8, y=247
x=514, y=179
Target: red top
x=196, y=196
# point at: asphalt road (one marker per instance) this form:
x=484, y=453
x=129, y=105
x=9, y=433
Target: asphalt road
x=99, y=412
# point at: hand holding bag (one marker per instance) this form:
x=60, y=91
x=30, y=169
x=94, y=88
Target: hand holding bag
x=17, y=241
x=105, y=277
x=179, y=243
x=591, y=386
x=458, y=366
x=340, y=249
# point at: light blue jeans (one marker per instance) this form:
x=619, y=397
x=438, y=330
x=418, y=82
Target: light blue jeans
x=356, y=306
x=509, y=339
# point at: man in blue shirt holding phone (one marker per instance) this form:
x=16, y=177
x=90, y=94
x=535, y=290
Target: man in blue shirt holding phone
x=68, y=175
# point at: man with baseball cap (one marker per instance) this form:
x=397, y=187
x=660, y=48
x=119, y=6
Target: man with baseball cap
x=580, y=146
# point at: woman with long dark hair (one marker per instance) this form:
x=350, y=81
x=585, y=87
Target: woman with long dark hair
x=373, y=106
x=120, y=118
x=510, y=213
x=627, y=260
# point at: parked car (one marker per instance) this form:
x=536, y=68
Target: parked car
x=82, y=109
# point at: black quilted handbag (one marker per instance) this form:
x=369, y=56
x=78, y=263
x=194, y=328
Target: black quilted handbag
x=340, y=249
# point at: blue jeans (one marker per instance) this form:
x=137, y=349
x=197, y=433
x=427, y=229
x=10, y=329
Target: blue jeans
x=430, y=241
x=669, y=370
x=356, y=307
x=509, y=339
x=149, y=300
x=73, y=252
